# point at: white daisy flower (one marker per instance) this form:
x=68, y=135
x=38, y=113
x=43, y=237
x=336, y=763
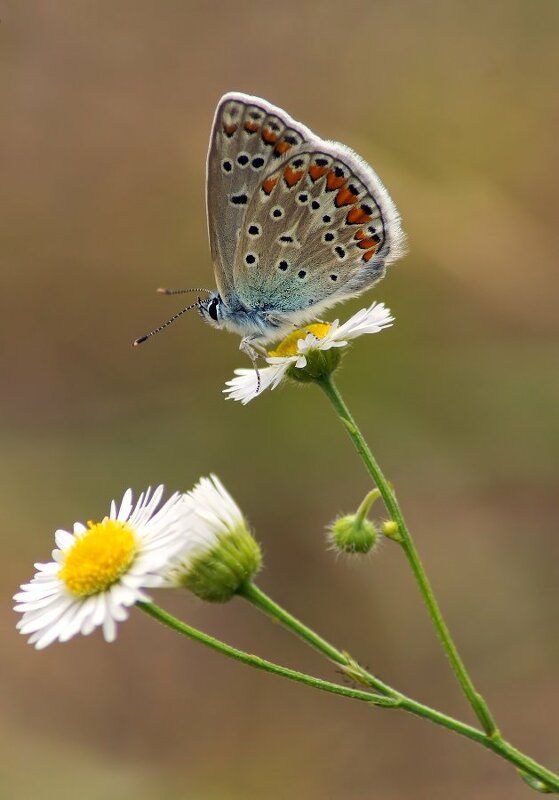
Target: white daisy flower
x=219, y=553
x=295, y=351
x=101, y=569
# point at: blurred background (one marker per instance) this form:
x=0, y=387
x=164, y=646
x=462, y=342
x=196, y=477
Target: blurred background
x=106, y=112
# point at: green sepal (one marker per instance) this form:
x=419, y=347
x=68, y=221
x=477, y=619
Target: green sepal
x=320, y=364
x=217, y=575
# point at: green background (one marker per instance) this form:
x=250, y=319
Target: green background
x=106, y=109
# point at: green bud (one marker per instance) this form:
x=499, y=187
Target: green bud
x=218, y=574
x=219, y=554
x=320, y=364
x=390, y=530
x=350, y=534
x=354, y=533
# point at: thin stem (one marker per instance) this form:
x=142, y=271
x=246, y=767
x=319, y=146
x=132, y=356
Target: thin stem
x=476, y=700
x=254, y=661
x=260, y=600
x=365, y=507
x=254, y=595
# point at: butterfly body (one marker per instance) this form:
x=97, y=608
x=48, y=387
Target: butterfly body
x=261, y=324
x=257, y=323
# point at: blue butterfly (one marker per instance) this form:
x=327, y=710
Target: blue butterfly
x=296, y=224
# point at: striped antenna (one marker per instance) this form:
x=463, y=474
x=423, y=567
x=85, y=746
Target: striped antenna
x=136, y=342
x=181, y=291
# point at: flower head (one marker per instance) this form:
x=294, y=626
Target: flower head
x=351, y=535
x=101, y=569
x=307, y=354
x=354, y=533
x=219, y=553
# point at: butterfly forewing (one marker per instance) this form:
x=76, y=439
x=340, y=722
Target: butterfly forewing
x=247, y=137
x=319, y=227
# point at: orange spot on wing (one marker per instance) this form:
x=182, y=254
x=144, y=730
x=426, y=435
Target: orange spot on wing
x=229, y=129
x=282, y=147
x=357, y=216
x=333, y=181
x=251, y=126
x=292, y=176
x=365, y=244
x=268, y=184
x=317, y=172
x=269, y=136
x=345, y=198
x=369, y=254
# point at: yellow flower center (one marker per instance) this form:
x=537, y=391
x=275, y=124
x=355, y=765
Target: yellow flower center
x=99, y=557
x=288, y=346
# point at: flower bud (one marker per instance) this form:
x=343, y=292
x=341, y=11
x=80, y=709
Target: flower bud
x=390, y=530
x=350, y=534
x=220, y=553
x=354, y=533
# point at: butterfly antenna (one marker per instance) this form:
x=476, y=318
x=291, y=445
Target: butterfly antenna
x=136, y=342
x=181, y=291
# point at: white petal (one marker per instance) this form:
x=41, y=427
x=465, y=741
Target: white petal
x=63, y=539
x=125, y=506
x=368, y=320
x=244, y=387
x=109, y=629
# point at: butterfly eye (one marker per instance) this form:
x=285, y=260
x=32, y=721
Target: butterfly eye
x=302, y=198
x=326, y=219
x=301, y=274
x=329, y=236
x=251, y=259
x=212, y=308
x=257, y=162
x=334, y=278
x=315, y=205
x=277, y=212
x=242, y=159
x=340, y=252
x=283, y=265
x=254, y=230
x=226, y=165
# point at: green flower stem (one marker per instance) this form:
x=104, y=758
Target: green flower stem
x=395, y=699
x=260, y=600
x=365, y=507
x=255, y=661
x=405, y=540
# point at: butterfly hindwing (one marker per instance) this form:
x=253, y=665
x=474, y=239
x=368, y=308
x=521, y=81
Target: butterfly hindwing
x=248, y=136
x=319, y=227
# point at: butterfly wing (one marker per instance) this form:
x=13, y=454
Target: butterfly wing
x=248, y=135
x=319, y=228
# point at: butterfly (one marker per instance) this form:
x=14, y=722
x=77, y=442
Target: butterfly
x=296, y=224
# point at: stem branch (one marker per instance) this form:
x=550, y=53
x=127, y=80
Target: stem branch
x=253, y=661
x=393, y=698
x=476, y=700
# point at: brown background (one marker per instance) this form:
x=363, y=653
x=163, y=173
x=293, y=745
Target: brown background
x=105, y=109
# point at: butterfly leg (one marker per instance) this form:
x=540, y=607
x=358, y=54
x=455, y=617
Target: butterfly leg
x=250, y=347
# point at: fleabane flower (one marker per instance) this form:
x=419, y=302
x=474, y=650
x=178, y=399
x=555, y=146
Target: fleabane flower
x=101, y=569
x=307, y=354
x=220, y=554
